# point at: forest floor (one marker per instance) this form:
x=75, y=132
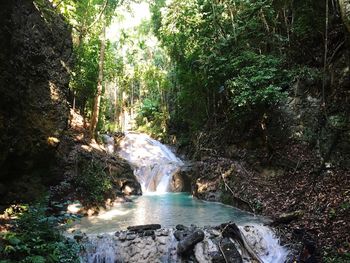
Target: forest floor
x=287, y=181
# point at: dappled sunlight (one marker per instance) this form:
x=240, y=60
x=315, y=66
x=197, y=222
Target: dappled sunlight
x=109, y=215
x=74, y=208
x=93, y=146
x=54, y=91
x=79, y=137
x=53, y=141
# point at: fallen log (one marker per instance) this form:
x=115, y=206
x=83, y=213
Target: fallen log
x=142, y=228
x=190, y=241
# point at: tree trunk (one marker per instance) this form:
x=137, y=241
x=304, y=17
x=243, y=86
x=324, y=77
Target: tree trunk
x=116, y=110
x=345, y=12
x=97, y=100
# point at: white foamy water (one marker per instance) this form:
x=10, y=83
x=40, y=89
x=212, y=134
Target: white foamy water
x=154, y=163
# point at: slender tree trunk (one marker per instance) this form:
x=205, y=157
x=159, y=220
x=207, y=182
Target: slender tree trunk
x=325, y=55
x=74, y=94
x=115, y=97
x=97, y=100
x=345, y=12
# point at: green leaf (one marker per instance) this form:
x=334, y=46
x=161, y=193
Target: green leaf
x=14, y=241
x=36, y=259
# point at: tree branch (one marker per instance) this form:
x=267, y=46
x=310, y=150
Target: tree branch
x=98, y=16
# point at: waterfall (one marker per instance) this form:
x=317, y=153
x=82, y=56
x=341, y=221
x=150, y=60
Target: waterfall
x=154, y=163
x=109, y=143
x=100, y=249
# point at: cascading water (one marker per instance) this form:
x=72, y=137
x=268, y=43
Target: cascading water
x=154, y=163
x=109, y=142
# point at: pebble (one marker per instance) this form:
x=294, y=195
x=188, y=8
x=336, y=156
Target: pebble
x=130, y=237
x=163, y=232
x=148, y=233
x=122, y=236
x=145, y=254
x=162, y=240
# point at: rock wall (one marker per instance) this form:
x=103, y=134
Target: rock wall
x=35, y=55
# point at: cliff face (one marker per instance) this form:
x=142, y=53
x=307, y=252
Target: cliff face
x=35, y=51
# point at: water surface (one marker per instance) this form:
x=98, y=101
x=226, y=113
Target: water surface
x=167, y=209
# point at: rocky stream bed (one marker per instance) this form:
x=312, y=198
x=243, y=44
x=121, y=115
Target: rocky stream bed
x=151, y=243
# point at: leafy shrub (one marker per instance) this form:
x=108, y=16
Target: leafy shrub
x=35, y=239
x=92, y=182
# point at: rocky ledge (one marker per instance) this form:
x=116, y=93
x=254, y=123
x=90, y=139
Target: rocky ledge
x=151, y=243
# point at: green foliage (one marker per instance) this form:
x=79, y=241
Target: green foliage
x=210, y=43
x=152, y=119
x=310, y=74
x=217, y=61
x=258, y=82
x=87, y=18
x=84, y=80
x=147, y=111
x=35, y=238
x=92, y=182
x=234, y=57
x=257, y=206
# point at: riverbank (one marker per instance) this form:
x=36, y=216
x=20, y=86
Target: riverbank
x=306, y=204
